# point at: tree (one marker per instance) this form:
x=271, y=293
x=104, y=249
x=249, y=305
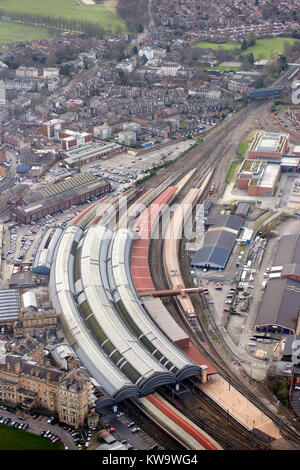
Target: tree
x=244, y=45
x=251, y=39
x=66, y=69
x=283, y=62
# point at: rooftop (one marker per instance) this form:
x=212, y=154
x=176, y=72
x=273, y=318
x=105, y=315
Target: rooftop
x=268, y=142
x=269, y=176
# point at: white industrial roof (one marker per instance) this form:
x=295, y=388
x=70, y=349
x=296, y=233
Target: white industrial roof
x=29, y=299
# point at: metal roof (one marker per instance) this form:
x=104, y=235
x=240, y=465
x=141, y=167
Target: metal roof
x=44, y=255
x=66, y=190
x=243, y=209
x=119, y=339
x=63, y=297
x=281, y=300
x=216, y=249
x=135, y=316
x=233, y=222
x=9, y=304
x=280, y=304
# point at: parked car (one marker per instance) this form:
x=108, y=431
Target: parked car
x=134, y=430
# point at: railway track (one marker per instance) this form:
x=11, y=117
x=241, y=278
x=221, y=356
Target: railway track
x=220, y=425
x=198, y=332
x=235, y=381
x=224, y=436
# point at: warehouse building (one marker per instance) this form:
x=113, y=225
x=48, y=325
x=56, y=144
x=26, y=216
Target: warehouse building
x=9, y=306
x=280, y=306
x=48, y=200
x=89, y=153
x=219, y=241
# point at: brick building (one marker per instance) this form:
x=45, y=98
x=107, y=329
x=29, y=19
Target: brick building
x=2, y=154
x=62, y=195
x=34, y=322
x=258, y=177
x=268, y=145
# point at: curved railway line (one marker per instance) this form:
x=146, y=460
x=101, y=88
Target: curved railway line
x=208, y=156
x=196, y=327
x=198, y=332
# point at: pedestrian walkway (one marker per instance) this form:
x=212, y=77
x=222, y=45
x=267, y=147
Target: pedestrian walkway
x=238, y=406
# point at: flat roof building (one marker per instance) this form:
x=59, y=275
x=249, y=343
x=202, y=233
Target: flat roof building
x=268, y=145
x=258, y=177
x=9, y=305
x=280, y=307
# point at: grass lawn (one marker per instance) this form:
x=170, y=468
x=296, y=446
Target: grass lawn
x=262, y=219
x=100, y=13
x=232, y=170
x=16, y=439
x=223, y=68
x=214, y=45
x=242, y=149
x=14, y=32
x=263, y=47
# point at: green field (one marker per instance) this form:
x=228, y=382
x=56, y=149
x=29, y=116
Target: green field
x=16, y=439
x=242, y=149
x=13, y=32
x=99, y=13
x=234, y=165
x=222, y=68
x=213, y=45
x=264, y=48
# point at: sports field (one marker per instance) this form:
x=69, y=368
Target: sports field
x=101, y=14
x=264, y=48
x=14, y=32
x=16, y=439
